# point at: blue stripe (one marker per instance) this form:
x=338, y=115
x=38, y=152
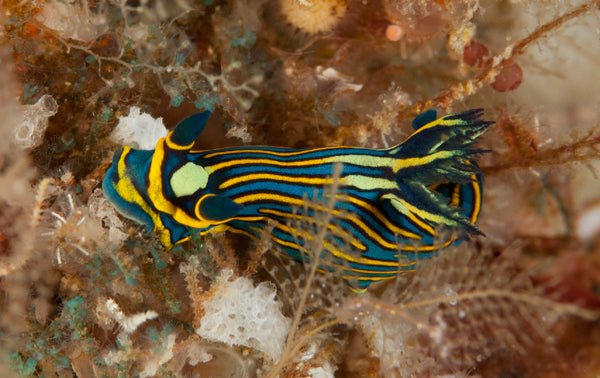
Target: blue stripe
x=323, y=170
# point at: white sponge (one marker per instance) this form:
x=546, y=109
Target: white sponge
x=30, y=132
x=139, y=130
x=240, y=314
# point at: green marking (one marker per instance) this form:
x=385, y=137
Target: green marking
x=188, y=179
x=396, y=203
x=362, y=160
x=368, y=183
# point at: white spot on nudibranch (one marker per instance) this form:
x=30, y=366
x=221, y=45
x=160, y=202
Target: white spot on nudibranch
x=188, y=179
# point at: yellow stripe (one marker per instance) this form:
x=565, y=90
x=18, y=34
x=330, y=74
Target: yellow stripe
x=308, y=236
x=439, y=122
x=361, y=278
x=198, y=214
x=412, y=210
x=268, y=196
x=354, y=219
x=174, y=146
x=121, y=166
x=372, y=234
x=330, y=226
x=199, y=202
x=285, y=243
x=418, y=161
x=226, y=227
x=373, y=210
x=239, y=231
x=276, y=153
x=248, y=218
x=356, y=270
x=155, y=192
x=321, y=263
x=129, y=193
x=213, y=230
x=366, y=229
x=182, y=240
x=357, y=221
x=361, y=160
x=288, y=200
x=268, y=176
x=329, y=247
x=455, y=195
x=476, y=199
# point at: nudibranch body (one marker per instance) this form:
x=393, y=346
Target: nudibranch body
x=393, y=205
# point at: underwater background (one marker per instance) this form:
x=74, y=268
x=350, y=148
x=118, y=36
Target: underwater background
x=85, y=292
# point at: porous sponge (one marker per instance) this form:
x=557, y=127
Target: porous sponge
x=239, y=313
x=138, y=130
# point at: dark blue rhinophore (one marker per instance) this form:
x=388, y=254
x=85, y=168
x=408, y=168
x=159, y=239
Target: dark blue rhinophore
x=189, y=129
x=424, y=118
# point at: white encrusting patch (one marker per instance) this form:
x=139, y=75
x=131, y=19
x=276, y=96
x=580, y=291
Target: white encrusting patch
x=188, y=179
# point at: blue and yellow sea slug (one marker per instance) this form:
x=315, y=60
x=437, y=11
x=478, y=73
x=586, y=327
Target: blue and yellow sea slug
x=395, y=201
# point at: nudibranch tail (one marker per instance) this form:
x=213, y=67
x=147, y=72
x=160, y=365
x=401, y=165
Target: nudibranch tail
x=440, y=151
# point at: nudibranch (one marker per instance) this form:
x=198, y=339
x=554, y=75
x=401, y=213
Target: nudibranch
x=396, y=200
